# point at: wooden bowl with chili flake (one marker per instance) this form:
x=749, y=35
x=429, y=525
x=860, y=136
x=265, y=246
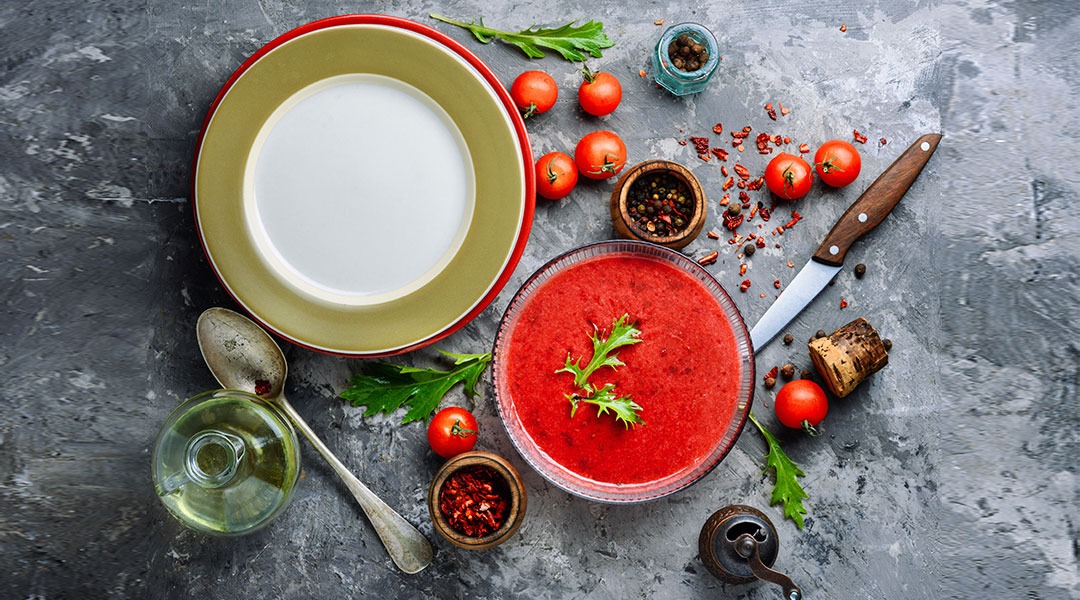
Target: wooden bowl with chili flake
x=658, y=201
x=477, y=500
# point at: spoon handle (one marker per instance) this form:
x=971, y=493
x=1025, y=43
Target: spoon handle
x=408, y=548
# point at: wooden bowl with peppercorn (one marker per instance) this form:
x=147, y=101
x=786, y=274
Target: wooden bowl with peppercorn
x=477, y=500
x=658, y=201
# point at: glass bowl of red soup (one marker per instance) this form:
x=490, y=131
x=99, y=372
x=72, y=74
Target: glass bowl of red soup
x=623, y=371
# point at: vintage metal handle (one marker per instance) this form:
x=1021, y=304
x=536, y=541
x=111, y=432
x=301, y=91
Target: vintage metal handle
x=747, y=547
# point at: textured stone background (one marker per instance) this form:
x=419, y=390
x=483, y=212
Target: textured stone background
x=951, y=473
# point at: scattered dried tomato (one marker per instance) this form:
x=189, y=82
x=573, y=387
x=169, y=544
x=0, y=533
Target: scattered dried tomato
x=731, y=222
x=742, y=171
x=723, y=170
x=730, y=182
x=776, y=284
x=713, y=235
x=709, y=258
x=704, y=157
x=804, y=148
x=770, y=111
x=744, y=197
x=843, y=304
x=720, y=153
x=718, y=128
x=883, y=141
x=682, y=142
x=724, y=201
x=701, y=144
x=745, y=285
x=760, y=242
x=474, y=501
x=784, y=110
x=795, y=218
x=742, y=269
x=858, y=136
x=843, y=27
x=755, y=184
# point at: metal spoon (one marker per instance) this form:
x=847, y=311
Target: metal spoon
x=240, y=353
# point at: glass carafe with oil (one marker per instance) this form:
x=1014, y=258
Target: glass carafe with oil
x=226, y=462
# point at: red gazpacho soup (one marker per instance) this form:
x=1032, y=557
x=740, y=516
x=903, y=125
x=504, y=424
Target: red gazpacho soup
x=685, y=373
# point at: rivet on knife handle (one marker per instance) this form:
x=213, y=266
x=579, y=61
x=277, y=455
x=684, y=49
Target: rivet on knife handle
x=877, y=201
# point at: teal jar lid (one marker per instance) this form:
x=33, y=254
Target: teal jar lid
x=675, y=79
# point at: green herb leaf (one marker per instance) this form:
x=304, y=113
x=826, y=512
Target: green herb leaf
x=386, y=387
x=622, y=334
x=624, y=408
x=573, y=43
x=787, y=489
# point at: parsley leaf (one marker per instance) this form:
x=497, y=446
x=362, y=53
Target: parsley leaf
x=622, y=334
x=386, y=387
x=624, y=408
x=573, y=43
x=787, y=489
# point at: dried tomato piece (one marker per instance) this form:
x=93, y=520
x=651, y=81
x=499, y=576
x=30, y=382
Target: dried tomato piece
x=858, y=136
x=718, y=128
x=720, y=153
x=709, y=258
x=730, y=182
x=745, y=285
x=701, y=144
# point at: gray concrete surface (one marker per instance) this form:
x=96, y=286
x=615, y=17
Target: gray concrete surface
x=952, y=473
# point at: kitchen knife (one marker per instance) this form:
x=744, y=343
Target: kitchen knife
x=862, y=216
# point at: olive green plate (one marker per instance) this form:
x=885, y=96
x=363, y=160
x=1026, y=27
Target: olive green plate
x=363, y=186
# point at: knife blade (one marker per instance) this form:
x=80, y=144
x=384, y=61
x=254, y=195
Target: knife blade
x=866, y=213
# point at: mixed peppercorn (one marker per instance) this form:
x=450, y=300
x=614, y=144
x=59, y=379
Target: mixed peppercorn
x=687, y=54
x=660, y=204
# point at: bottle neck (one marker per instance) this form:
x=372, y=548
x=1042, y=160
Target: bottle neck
x=212, y=458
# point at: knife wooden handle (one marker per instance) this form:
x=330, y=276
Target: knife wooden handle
x=877, y=201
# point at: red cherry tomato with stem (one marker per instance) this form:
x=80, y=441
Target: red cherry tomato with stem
x=452, y=431
x=556, y=175
x=600, y=93
x=788, y=176
x=837, y=163
x=600, y=155
x=534, y=92
x=801, y=404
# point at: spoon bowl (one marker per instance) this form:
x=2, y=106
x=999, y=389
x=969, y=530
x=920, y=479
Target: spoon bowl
x=242, y=356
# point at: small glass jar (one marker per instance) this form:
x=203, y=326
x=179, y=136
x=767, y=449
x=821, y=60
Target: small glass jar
x=674, y=79
x=225, y=462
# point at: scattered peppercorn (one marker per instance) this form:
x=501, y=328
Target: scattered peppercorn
x=820, y=334
x=787, y=371
x=733, y=209
x=860, y=270
x=769, y=383
x=687, y=54
x=788, y=338
x=887, y=343
x=806, y=375
x=749, y=250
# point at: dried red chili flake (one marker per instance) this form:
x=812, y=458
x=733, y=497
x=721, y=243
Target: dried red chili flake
x=768, y=106
x=704, y=157
x=741, y=184
x=765, y=213
x=858, y=136
x=773, y=372
x=804, y=148
x=760, y=243
x=658, y=22
x=795, y=218
x=740, y=148
x=745, y=285
x=641, y=73
x=742, y=269
x=790, y=264
x=730, y=182
x=723, y=170
x=843, y=27
x=709, y=258
x=682, y=142
x=742, y=171
x=762, y=142
x=720, y=153
x=701, y=144
x=776, y=284
x=784, y=110
x=843, y=304
x=718, y=128
x=741, y=135
x=262, y=387
x=713, y=235
x=731, y=222
x=883, y=141
x=724, y=201
x=474, y=501
x=744, y=198
x=769, y=110
x=755, y=184
x=778, y=139
x=787, y=140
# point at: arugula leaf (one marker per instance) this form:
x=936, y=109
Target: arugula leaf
x=625, y=408
x=385, y=387
x=787, y=489
x=573, y=43
x=622, y=334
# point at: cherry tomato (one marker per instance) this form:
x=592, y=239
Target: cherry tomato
x=837, y=163
x=600, y=155
x=801, y=404
x=600, y=93
x=534, y=92
x=556, y=175
x=788, y=176
x=452, y=431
